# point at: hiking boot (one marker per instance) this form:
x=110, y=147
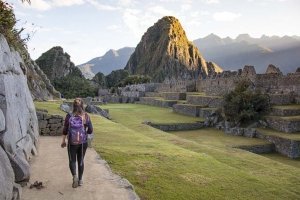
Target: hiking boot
x=80, y=183
x=75, y=182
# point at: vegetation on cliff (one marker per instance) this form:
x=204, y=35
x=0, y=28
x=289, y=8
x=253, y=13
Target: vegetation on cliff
x=10, y=32
x=74, y=85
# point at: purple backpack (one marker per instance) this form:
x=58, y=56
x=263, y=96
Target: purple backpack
x=77, y=134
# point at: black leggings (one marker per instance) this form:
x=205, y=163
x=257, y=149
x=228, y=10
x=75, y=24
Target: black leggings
x=79, y=152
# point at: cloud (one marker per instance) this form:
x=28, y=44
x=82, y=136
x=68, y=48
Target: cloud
x=38, y=5
x=186, y=7
x=61, y=3
x=101, y=6
x=138, y=20
x=160, y=10
x=226, y=16
x=126, y=3
x=211, y=1
x=43, y=5
x=113, y=28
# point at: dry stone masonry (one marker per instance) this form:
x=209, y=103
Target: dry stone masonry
x=18, y=126
x=49, y=124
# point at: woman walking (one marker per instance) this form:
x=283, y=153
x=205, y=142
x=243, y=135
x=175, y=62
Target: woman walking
x=76, y=127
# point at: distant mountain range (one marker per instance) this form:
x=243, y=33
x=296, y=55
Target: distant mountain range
x=228, y=53
x=111, y=60
x=232, y=54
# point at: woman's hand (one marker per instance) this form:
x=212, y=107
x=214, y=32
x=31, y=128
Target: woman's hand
x=63, y=143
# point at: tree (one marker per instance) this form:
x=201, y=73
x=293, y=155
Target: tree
x=245, y=104
x=100, y=80
x=134, y=79
x=115, y=77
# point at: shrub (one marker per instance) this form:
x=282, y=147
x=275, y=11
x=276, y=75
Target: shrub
x=245, y=104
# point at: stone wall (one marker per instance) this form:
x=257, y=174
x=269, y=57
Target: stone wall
x=187, y=109
x=176, y=86
x=281, y=99
x=284, y=125
x=259, y=149
x=152, y=94
x=49, y=124
x=18, y=123
x=284, y=112
x=271, y=83
x=156, y=102
x=210, y=101
x=288, y=147
x=177, y=126
x=206, y=112
x=174, y=95
x=237, y=131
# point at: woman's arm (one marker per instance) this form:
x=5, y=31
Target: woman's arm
x=89, y=125
x=65, y=131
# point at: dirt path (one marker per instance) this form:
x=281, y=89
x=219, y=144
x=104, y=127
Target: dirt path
x=51, y=167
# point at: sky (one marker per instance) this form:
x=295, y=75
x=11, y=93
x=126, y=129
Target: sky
x=86, y=29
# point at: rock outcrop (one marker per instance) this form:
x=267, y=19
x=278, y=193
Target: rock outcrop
x=39, y=84
x=164, y=52
x=19, y=125
x=55, y=63
x=272, y=69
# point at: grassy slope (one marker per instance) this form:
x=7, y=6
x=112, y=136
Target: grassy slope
x=165, y=166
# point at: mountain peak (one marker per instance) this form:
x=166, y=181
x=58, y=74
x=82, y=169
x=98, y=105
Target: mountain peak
x=165, y=52
x=243, y=37
x=112, y=53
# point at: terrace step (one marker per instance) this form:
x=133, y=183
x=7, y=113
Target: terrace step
x=209, y=101
x=174, y=95
x=152, y=94
x=177, y=126
x=258, y=148
x=156, y=101
x=287, y=124
x=281, y=99
x=287, y=110
x=286, y=144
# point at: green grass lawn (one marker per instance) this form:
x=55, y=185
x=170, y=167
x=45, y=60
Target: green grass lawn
x=164, y=166
x=286, y=118
x=214, y=137
x=292, y=136
x=288, y=107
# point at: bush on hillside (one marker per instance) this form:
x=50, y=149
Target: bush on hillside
x=74, y=85
x=134, y=79
x=115, y=77
x=7, y=28
x=100, y=80
x=244, y=104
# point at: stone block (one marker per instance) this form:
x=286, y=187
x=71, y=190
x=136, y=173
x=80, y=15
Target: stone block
x=2, y=121
x=54, y=120
x=6, y=176
x=43, y=123
x=251, y=133
x=17, y=192
x=20, y=166
x=55, y=127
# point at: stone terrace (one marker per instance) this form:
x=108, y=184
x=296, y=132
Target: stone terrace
x=284, y=118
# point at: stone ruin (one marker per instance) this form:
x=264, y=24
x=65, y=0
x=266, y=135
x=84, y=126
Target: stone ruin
x=204, y=98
